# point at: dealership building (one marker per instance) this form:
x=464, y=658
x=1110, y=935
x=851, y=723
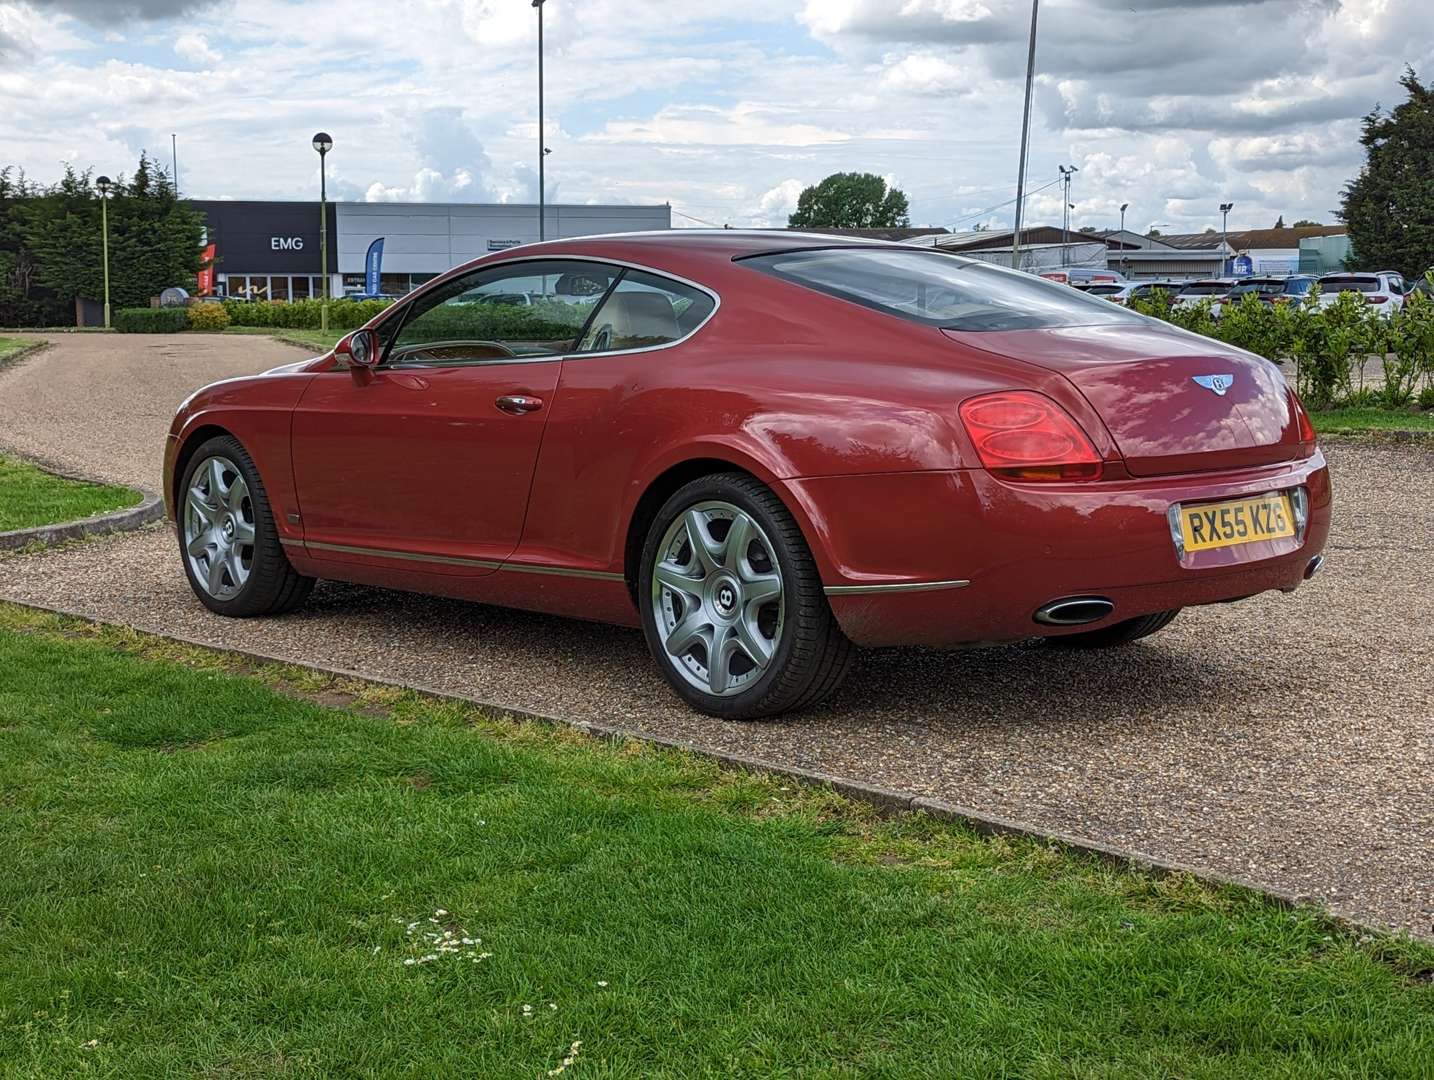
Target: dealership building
x=271, y=250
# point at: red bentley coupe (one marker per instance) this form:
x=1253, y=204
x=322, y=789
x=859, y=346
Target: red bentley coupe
x=764, y=449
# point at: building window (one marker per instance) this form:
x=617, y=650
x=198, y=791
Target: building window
x=278, y=288
x=301, y=288
x=237, y=285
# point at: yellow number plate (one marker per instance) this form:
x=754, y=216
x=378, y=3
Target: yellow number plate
x=1239, y=521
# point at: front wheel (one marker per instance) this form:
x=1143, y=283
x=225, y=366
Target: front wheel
x=227, y=539
x=732, y=603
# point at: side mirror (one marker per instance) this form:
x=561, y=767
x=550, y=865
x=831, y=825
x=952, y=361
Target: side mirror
x=360, y=349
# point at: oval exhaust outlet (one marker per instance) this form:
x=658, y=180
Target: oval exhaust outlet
x=1074, y=611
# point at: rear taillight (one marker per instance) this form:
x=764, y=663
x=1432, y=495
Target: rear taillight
x=1375, y=299
x=1022, y=435
x=1305, y=425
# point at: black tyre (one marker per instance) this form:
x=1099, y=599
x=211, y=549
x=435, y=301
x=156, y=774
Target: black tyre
x=1121, y=633
x=732, y=604
x=227, y=540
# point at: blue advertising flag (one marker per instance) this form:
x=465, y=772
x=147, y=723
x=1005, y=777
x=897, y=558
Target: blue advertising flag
x=372, y=263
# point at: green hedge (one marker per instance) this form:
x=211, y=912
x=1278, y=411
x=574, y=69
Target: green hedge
x=144, y=320
x=1329, y=346
x=303, y=314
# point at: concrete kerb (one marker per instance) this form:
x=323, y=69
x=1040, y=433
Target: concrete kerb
x=885, y=799
x=149, y=509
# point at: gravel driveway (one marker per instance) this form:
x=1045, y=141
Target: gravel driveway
x=1287, y=739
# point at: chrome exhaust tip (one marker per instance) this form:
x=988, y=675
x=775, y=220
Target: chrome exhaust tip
x=1074, y=611
x=1313, y=568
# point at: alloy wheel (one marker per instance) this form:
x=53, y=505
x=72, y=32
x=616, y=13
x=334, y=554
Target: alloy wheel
x=219, y=527
x=717, y=597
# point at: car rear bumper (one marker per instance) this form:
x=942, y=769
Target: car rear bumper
x=957, y=558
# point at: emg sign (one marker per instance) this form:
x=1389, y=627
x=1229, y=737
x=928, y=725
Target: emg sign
x=286, y=243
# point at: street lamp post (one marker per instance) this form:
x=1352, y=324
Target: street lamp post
x=1025, y=140
x=323, y=144
x=1066, y=171
x=542, y=147
x=1123, y=208
x=103, y=186
x=1225, y=208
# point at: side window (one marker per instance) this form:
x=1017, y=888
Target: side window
x=526, y=309
x=646, y=310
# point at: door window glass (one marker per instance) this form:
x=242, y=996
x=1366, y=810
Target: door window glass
x=646, y=310
x=524, y=310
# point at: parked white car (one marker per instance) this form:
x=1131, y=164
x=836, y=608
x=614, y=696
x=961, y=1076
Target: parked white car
x=1383, y=291
x=1213, y=289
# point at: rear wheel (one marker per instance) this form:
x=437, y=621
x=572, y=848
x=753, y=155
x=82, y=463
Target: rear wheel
x=732, y=604
x=1121, y=633
x=227, y=539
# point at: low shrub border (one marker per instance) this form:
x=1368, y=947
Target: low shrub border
x=150, y=320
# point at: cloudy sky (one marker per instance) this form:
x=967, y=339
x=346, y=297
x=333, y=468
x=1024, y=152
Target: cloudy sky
x=724, y=109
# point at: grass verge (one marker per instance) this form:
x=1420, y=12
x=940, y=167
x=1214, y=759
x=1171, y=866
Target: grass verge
x=10, y=345
x=1331, y=421
x=244, y=869
x=29, y=496
x=318, y=340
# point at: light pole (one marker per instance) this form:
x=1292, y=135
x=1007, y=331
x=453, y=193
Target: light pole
x=174, y=156
x=323, y=144
x=1025, y=141
x=1123, y=208
x=1225, y=208
x=103, y=186
x=542, y=148
x=1066, y=171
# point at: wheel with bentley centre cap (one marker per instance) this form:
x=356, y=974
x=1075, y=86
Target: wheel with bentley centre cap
x=227, y=539
x=732, y=603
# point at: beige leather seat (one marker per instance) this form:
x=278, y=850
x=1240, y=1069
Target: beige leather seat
x=631, y=320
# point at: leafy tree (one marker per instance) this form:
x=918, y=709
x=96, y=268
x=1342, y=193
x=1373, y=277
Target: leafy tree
x=1389, y=207
x=1087, y=228
x=850, y=201
x=51, y=244
x=1154, y=233
x=1280, y=224
x=1306, y=223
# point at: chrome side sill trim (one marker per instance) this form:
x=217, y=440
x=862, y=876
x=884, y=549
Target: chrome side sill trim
x=407, y=556
x=562, y=571
x=453, y=560
x=898, y=587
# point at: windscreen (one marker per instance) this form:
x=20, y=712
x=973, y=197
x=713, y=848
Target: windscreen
x=940, y=290
x=1205, y=288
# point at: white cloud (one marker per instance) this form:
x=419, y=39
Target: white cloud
x=195, y=49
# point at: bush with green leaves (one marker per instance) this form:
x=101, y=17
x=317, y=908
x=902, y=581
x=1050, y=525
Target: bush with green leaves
x=207, y=317
x=302, y=314
x=145, y=320
x=1329, y=346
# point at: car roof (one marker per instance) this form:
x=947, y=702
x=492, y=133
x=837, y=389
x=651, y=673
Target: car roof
x=722, y=243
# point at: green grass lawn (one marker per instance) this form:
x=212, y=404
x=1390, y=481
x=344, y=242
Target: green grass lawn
x=1366, y=419
x=318, y=340
x=9, y=345
x=29, y=496
x=210, y=872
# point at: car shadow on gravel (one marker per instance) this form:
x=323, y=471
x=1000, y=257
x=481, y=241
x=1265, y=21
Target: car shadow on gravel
x=1029, y=684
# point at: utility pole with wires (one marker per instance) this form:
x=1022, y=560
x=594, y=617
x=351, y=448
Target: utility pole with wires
x=1025, y=141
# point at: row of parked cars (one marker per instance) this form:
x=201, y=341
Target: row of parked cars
x=1385, y=291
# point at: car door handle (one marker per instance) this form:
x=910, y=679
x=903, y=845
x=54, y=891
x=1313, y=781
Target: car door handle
x=517, y=404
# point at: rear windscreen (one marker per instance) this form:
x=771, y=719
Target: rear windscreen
x=1349, y=284
x=1205, y=288
x=949, y=291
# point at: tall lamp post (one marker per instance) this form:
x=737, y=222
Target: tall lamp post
x=543, y=150
x=323, y=144
x=1225, y=208
x=1123, y=208
x=1066, y=171
x=1025, y=141
x=103, y=185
